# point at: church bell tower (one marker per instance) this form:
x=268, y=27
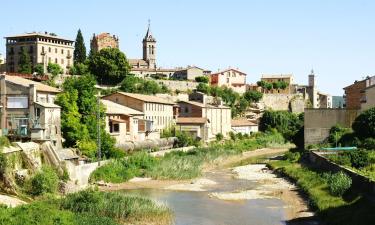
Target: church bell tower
x=149, y=48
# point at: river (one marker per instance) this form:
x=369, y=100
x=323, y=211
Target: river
x=204, y=208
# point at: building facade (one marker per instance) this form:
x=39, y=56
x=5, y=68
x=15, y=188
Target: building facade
x=158, y=113
x=198, y=108
x=28, y=110
x=103, y=40
x=42, y=49
x=355, y=93
x=369, y=100
x=244, y=126
x=231, y=78
x=287, y=78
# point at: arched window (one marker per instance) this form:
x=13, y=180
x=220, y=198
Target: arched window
x=153, y=49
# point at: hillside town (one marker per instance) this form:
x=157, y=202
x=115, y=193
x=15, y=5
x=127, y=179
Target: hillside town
x=75, y=120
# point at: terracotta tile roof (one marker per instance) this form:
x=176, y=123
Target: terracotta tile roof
x=147, y=98
x=114, y=108
x=242, y=123
x=191, y=120
x=223, y=71
x=26, y=83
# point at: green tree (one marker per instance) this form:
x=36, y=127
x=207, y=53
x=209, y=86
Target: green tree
x=79, y=69
x=39, y=69
x=204, y=88
x=109, y=66
x=364, y=124
x=54, y=69
x=253, y=96
x=79, y=49
x=24, y=65
x=202, y=79
x=135, y=84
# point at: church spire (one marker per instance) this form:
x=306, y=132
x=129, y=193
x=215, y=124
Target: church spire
x=148, y=36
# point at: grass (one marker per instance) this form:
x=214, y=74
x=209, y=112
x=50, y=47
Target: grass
x=351, y=209
x=88, y=207
x=181, y=165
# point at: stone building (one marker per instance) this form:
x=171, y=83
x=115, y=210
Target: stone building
x=124, y=123
x=103, y=40
x=355, y=93
x=158, y=113
x=43, y=48
x=232, y=78
x=28, y=110
x=203, y=118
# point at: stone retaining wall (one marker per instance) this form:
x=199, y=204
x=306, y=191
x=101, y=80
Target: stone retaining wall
x=360, y=183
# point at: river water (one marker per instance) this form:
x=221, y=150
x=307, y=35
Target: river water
x=198, y=208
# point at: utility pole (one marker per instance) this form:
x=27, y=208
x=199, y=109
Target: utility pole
x=98, y=130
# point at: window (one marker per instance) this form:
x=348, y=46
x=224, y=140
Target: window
x=37, y=112
x=116, y=128
x=17, y=102
x=42, y=49
x=62, y=51
x=62, y=61
x=49, y=49
x=55, y=50
x=55, y=60
x=186, y=110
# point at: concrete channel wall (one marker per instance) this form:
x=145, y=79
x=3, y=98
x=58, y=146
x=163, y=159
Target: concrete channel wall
x=360, y=183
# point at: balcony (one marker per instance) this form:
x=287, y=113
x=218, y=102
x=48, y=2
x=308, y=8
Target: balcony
x=69, y=56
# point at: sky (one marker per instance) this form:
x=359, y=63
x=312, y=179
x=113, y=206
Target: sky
x=334, y=37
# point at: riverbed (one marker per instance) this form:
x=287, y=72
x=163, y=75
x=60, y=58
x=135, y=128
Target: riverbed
x=246, y=195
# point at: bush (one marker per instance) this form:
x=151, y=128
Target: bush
x=368, y=143
x=338, y=183
x=232, y=136
x=44, y=181
x=184, y=139
x=4, y=142
x=219, y=137
x=359, y=158
x=364, y=124
x=202, y=79
x=292, y=156
x=88, y=148
x=253, y=96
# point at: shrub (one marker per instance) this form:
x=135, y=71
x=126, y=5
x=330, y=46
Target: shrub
x=336, y=133
x=202, y=79
x=3, y=164
x=219, y=137
x=368, y=143
x=4, y=142
x=292, y=156
x=185, y=139
x=253, y=96
x=338, y=183
x=88, y=148
x=359, y=158
x=44, y=181
x=364, y=124
x=232, y=136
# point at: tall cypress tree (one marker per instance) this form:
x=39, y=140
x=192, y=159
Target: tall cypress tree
x=79, y=49
x=24, y=64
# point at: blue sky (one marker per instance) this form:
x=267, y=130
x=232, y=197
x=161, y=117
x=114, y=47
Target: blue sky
x=335, y=37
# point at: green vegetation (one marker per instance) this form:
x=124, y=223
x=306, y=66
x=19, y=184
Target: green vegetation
x=54, y=69
x=135, y=84
x=338, y=183
x=181, y=165
x=350, y=209
x=279, y=85
x=24, y=62
x=79, y=69
x=88, y=208
x=202, y=79
x=39, y=69
x=79, y=49
x=290, y=125
x=78, y=117
x=43, y=182
x=253, y=96
x=109, y=65
x=219, y=137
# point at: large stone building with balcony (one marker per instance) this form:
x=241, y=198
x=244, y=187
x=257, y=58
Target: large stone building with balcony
x=43, y=48
x=103, y=40
x=232, y=78
x=28, y=111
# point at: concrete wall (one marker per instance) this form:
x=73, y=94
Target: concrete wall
x=318, y=122
x=360, y=183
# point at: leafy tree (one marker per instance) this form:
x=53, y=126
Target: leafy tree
x=54, y=69
x=79, y=49
x=135, y=84
x=253, y=96
x=364, y=124
x=204, y=88
x=202, y=79
x=283, y=85
x=44, y=181
x=109, y=65
x=24, y=62
x=287, y=123
x=39, y=69
x=79, y=69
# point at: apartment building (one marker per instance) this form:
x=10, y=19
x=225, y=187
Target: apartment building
x=231, y=78
x=160, y=112
x=28, y=110
x=43, y=48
